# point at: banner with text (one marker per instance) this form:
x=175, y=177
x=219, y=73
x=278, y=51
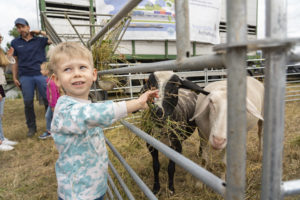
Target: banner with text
x=155, y=19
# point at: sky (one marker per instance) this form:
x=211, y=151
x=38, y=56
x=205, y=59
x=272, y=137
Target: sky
x=12, y=9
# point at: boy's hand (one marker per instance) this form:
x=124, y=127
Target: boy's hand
x=141, y=102
x=149, y=95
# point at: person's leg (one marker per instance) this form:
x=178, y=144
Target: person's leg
x=3, y=144
x=2, y=138
x=27, y=85
x=41, y=83
x=1, y=114
x=48, y=117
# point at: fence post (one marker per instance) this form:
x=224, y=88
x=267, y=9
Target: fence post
x=182, y=30
x=236, y=95
x=274, y=101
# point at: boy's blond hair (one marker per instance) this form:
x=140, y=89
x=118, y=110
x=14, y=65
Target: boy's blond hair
x=68, y=50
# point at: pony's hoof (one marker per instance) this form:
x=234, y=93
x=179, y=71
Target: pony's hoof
x=171, y=192
x=156, y=191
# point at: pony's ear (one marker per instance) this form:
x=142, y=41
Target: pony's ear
x=253, y=110
x=149, y=83
x=192, y=86
x=200, y=108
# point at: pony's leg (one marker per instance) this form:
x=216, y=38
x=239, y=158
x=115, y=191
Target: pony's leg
x=156, y=167
x=203, y=147
x=259, y=131
x=176, y=145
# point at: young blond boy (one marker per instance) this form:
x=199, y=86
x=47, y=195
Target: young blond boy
x=81, y=168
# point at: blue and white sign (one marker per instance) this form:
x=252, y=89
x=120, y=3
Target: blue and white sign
x=155, y=19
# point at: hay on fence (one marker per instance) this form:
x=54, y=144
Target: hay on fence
x=103, y=52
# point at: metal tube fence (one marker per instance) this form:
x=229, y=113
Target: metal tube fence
x=206, y=76
x=193, y=63
x=275, y=80
x=205, y=176
x=110, y=194
x=289, y=188
x=209, y=75
x=114, y=20
x=132, y=173
x=215, y=61
x=114, y=187
x=236, y=103
x=122, y=183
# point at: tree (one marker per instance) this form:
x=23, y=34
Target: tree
x=14, y=33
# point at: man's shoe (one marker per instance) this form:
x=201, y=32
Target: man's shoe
x=5, y=147
x=31, y=132
x=45, y=135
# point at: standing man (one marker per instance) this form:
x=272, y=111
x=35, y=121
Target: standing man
x=29, y=55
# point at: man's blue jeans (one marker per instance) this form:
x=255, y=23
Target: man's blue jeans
x=28, y=85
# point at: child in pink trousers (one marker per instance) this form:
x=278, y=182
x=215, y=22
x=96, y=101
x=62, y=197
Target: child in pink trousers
x=52, y=96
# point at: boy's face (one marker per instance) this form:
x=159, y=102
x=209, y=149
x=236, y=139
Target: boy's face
x=75, y=76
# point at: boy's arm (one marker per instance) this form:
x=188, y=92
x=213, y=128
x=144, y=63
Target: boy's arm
x=72, y=117
x=141, y=102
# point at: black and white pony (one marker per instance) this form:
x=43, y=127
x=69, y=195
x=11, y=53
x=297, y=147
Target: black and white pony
x=176, y=102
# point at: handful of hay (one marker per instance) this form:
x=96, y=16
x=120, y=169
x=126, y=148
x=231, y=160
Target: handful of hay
x=161, y=129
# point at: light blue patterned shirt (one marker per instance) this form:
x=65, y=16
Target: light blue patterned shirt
x=81, y=169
